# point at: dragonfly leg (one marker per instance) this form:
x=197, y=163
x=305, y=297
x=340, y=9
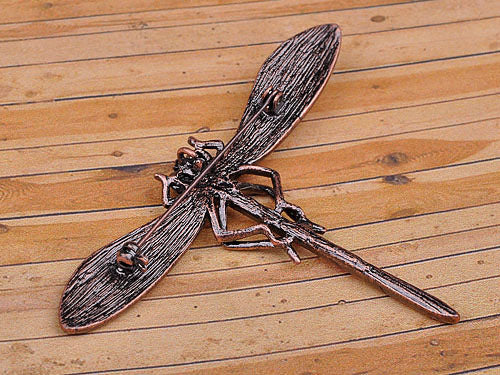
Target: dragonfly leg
x=281, y=205
x=255, y=189
x=230, y=238
x=206, y=145
x=167, y=181
x=298, y=215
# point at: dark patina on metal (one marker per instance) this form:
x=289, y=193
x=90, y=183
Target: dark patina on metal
x=206, y=181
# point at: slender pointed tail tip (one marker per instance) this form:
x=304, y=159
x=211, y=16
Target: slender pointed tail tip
x=452, y=317
x=411, y=295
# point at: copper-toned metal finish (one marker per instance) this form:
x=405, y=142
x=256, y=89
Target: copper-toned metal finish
x=287, y=85
x=185, y=152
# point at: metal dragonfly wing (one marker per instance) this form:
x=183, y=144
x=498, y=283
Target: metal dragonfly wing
x=101, y=287
x=96, y=292
x=298, y=70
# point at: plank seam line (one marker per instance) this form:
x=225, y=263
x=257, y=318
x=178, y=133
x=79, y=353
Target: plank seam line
x=381, y=67
x=206, y=247
x=314, y=279
x=431, y=129
x=456, y=165
x=294, y=350
x=256, y=316
x=241, y=83
x=168, y=162
x=166, y=136
x=312, y=257
x=124, y=13
x=226, y=21
x=400, y=107
x=235, y=46
x=112, y=95
x=303, y=281
x=281, y=149
x=472, y=371
x=401, y=173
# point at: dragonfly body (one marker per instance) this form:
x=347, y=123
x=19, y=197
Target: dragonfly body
x=207, y=182
x=311, y=240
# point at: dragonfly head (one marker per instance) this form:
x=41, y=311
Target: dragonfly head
x=190, y=163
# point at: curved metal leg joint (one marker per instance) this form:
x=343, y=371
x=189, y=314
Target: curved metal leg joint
x=297, y=214
x=206, y=145
x=167, y=184
x=231, y=238
x=281, y=205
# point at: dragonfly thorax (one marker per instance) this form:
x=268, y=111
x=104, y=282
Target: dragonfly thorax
x=188, y=166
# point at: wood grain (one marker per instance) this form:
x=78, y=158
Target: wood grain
x=230, y=12
x=327, y=164
x=434, y=350
x=399, y=159
x=149, y=115
x=242, y=279
x=200, y=68
x=256, y=335
x=446, y=189
x=204, y=36
x=107, y=154
x=25, y=11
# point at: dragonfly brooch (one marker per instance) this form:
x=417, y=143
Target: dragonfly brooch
x=206, y=181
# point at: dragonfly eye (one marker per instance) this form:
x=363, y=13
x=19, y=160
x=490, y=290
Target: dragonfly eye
x=198, y=163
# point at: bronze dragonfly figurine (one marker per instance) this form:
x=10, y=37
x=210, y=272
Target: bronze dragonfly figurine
x=206, y=181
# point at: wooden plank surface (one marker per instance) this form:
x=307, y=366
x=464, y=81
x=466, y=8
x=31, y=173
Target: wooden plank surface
x=399, y=159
